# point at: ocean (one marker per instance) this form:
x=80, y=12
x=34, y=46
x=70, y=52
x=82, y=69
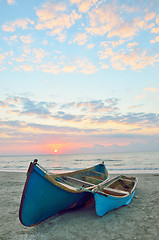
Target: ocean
x=135, y=162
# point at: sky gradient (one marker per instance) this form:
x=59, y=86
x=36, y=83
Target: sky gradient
x=79, y=76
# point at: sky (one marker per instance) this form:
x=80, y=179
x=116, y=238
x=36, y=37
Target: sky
x=79, y=76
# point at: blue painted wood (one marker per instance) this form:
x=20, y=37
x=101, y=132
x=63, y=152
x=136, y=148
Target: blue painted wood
x=43, y=199
x=105, y=203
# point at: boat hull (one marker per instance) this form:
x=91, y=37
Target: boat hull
x=105, y=203
x=44, y=197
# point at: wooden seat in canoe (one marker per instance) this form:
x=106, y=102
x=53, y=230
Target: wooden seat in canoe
x=92, y=179
x=78, y=180
x=115, y=192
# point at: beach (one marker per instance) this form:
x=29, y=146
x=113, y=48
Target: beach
x=139, y=220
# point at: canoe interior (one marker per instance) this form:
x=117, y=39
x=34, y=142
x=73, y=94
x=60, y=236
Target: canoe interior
x=120, y=186
x=86, y=178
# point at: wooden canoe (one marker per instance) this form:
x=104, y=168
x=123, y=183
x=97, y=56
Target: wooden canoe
x=115, y=193
x=46, y=194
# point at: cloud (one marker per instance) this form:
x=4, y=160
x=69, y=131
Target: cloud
x=103, y=19
x=74, y=142
x=83, y=66
x=80, y=38
x=37, y=108
x=119, y=22
x=94, y=112
x=138, y=61
x=25, y=67
x=3, y=104
x=125, y=30
x=67, y=117
x=142, y=119
x=129, y=8
x=45, y=42
x=2, y=57
x=11, y=39
x=86, y=67
x=150, y=16
x=31, y=56
x=140, y=96
x=84, y=5
x=13, y=123
x=116, y=43
x=104, y=66
x=66, y=112
x=69, y=68
x=52, y=128
x=150, y=89
x=136, y=106
x=150, y=26
x=155, y=30
x=50, y=123
x=109, y=104
x=155, y=40
x=133, y=44
x=10, y=2
x=18, y=23
x=24, y=105
x=107, y=52
x=134, y=59
x=50, y=68
x=58, y=31
x=123, y=143
x=108, y=18
x=157, y=20
x=50, y=10
x=38, y=54
x=91, y=45
x=52, y=16
x=26, y=39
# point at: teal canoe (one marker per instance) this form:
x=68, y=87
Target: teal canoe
x=46, y=194
x=115, y=193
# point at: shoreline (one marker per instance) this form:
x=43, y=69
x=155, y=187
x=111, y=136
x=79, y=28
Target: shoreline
x=111, y=173
x=139, y=220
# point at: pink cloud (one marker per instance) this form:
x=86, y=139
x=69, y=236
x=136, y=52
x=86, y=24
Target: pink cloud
x=18, y=23
x=52, y=16
x=150, y=16
x=151, y=89
x=103, y=19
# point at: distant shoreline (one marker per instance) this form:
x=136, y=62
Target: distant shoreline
x=151, y=172
x=66, y=154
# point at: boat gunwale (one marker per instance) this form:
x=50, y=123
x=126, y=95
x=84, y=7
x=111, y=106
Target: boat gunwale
x=52, y=178
x=111, y=181
x=70, y=188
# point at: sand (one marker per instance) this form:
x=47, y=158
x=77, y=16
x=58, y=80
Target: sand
x=139, y=220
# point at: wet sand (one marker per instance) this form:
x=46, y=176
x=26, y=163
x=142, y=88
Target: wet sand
x=139, y=220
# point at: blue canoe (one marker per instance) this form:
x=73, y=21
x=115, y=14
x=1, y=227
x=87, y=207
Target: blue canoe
x=46, y=194
x=116, y=193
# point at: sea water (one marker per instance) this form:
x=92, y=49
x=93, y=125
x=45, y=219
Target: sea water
x=135, y=162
